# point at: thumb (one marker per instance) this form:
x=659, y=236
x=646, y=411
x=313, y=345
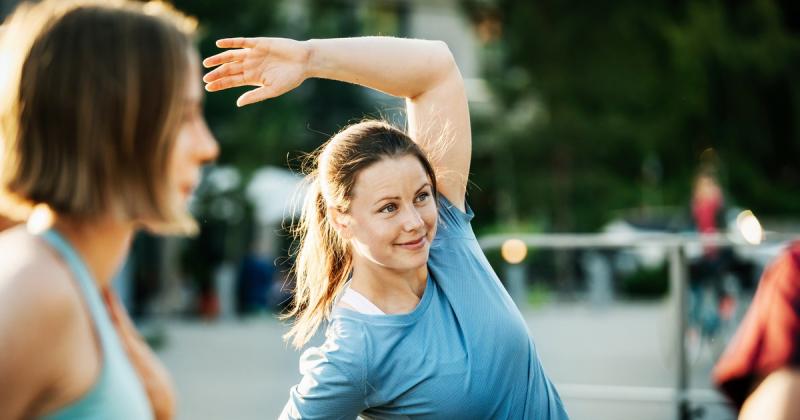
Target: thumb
x=253, y=96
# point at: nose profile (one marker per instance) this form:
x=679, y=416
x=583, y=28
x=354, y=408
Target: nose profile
x=207, y=148
x=413, y=220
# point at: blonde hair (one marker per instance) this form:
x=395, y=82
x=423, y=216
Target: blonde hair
x=323, y=259
x=93, y=101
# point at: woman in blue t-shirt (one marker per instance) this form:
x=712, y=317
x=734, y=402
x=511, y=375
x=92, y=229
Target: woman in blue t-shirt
x=418, y=323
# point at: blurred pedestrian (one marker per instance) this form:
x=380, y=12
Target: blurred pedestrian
x=254, y=278
x=418, y=323
x=710, y=303
x=103, y=131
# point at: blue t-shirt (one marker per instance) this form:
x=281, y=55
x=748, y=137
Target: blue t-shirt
x=462, y=353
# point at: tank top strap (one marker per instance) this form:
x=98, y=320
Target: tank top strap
x=118, y=392
x=87, y=285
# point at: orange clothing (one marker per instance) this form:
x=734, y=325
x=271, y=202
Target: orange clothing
x=769, y=337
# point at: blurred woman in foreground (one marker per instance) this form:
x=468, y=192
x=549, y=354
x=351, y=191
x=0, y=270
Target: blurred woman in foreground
x=102, y=129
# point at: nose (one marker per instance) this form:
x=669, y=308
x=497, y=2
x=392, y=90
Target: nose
x=413, y=220
x=206, y=146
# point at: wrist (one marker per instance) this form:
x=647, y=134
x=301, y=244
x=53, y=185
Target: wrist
x=310, y=57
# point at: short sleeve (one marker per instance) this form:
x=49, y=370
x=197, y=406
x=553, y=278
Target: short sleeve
x=767, y=339
x=452, y=221
x=332, y=386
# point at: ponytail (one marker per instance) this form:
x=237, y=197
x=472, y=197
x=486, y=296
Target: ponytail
x=321, y=268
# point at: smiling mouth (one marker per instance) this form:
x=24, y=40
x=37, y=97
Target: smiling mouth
x=415, y=244
x=187, y=190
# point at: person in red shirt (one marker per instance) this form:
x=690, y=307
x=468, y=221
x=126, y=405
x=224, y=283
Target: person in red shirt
x=710, y=303
x=760, y=369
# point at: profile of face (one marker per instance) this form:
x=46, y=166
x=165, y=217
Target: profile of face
x=194, y=145
x=392, y=217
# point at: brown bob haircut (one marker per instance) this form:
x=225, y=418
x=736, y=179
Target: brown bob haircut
x=93, y=101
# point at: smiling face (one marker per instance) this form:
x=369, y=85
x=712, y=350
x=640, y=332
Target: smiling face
x=392, y=217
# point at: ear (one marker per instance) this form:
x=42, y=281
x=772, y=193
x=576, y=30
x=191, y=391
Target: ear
x=341, y=222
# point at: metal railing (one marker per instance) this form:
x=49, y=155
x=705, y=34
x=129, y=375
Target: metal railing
x=675, y=244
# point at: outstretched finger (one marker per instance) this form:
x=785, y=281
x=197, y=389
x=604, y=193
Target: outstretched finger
x=225, y=57
x=226, y=83
x=255, y=95
x=227, y=69
x=239, y=42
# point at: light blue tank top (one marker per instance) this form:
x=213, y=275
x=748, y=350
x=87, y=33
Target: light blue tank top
x=118, y=393
x=463, y=353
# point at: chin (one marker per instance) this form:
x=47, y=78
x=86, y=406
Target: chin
x=415, y=263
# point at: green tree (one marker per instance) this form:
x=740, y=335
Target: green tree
x=602, y=106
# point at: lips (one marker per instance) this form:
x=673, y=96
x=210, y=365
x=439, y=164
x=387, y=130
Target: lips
x=189, y=187
x=188, y=190
x=415, y=244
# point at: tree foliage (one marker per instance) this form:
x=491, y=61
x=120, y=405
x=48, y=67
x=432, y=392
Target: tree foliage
x=609, y=105
x=598, y=106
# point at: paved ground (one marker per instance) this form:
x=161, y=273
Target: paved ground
x=242, y=370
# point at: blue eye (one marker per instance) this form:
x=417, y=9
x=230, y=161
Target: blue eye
x=388, y=208
x=423, y=196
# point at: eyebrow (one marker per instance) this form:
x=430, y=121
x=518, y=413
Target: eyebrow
x=427, y=184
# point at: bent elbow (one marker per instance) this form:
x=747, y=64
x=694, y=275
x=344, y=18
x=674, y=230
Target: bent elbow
x=446, y=61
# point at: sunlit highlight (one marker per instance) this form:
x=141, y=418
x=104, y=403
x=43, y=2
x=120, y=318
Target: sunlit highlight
x=40, y=220
x=749, y=227
x=514, y=251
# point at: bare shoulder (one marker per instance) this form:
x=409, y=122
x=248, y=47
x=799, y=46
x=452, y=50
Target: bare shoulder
x=39, y=311
x=32, y=277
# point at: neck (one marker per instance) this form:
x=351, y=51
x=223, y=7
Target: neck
x=102, y=244
x=391, y=290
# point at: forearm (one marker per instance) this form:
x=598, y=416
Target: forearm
x=400, y=67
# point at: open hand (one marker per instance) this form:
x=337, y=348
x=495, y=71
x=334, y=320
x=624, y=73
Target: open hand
x=274, y=65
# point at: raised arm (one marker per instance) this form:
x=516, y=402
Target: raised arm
x=422, y=72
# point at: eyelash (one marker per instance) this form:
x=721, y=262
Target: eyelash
x=424, y=195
